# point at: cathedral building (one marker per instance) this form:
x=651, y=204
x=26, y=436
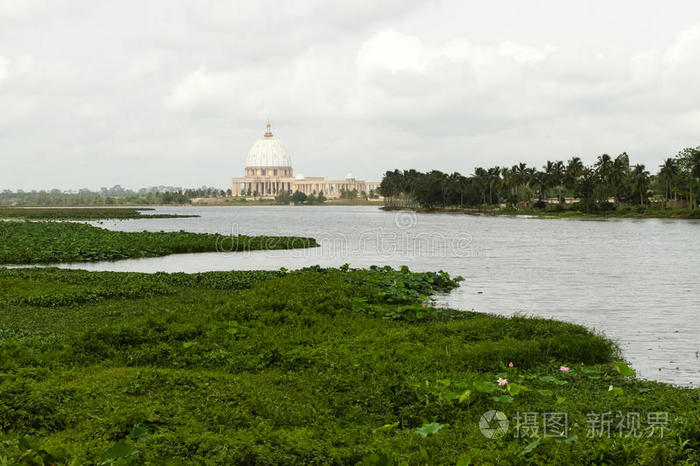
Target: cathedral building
x=269, y=171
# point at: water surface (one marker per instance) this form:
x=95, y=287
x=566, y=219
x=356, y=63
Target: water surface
x=637, y=281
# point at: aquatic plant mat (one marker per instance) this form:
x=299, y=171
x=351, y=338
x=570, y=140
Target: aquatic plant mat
x=82, y=213
x=30, y=242
x=316, y=366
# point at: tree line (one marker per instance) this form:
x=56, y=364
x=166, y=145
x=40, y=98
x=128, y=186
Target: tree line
x=110, y=196
x=607, y=184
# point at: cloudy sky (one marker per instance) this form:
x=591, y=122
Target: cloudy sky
x=142, y=93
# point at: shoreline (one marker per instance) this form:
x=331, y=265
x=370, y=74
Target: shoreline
x=675, y=214
x=254, y=203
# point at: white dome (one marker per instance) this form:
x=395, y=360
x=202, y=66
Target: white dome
x=299, y=176
x=349, y=176
x=268, y=151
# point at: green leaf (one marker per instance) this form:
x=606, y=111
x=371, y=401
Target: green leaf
x=530, y=446
x=615, y=391
x=28, y=443
x=465, y=396
x=189, y=344
x=118, y=451
x=554, y=380
x=624, y=370
x=484, y=387
x=502, y=399
x=429, y=429
x=376, y=460
x=444, y=382
x=387, y=427
x=514, y=389
x=139, y=433
x=424, y=454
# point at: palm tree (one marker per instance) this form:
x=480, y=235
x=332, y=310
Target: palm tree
x=463, y=184
x=454, y=188
x=558, y=174
x=521, y=176
x=668, y=171
x=494, y=179
x=603, y=168
x=618, y=172
x=480, y=176
x=689, y=164
x=694, y=173
x=640, y=180
x=548, y=179
x=539, y=180
x=603, y=164
x=508, y=181
x=574, y=171
x=554, y=175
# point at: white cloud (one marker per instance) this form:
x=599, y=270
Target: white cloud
x=143, y=67
x=4, y=68
x=361, y=85
x=198, y=88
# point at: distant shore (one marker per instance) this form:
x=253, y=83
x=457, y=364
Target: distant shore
x=257, y=202
x=228, y=201
x=632, y=212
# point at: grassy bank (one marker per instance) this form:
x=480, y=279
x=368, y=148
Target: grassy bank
x=46, y=242
x=87, y=213
x=633, y=212
x=554, y=212
x=311, y=367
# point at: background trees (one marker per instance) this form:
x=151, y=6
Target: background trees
x=298, y=197
x=114, y=195
x=609, y=183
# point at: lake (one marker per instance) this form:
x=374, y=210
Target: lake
x=637, y=281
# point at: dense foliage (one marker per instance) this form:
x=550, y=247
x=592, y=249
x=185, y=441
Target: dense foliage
x=45, y=242
x=83, y=213
x=79, y=286
x=298, y=198
x=316, y=366
x=109, y=196
x=609, y=183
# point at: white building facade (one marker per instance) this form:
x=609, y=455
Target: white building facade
x=269, y=171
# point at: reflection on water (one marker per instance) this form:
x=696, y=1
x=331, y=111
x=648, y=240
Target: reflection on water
x=635, y=280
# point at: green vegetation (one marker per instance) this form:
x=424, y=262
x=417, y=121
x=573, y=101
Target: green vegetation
x=116, y=195
x=557, y=211
x=45, y=242
x=299, y=198
x=610, y=184
x=316, y=366
x=84, y=213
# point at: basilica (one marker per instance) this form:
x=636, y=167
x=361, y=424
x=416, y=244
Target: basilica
x=268, y=171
